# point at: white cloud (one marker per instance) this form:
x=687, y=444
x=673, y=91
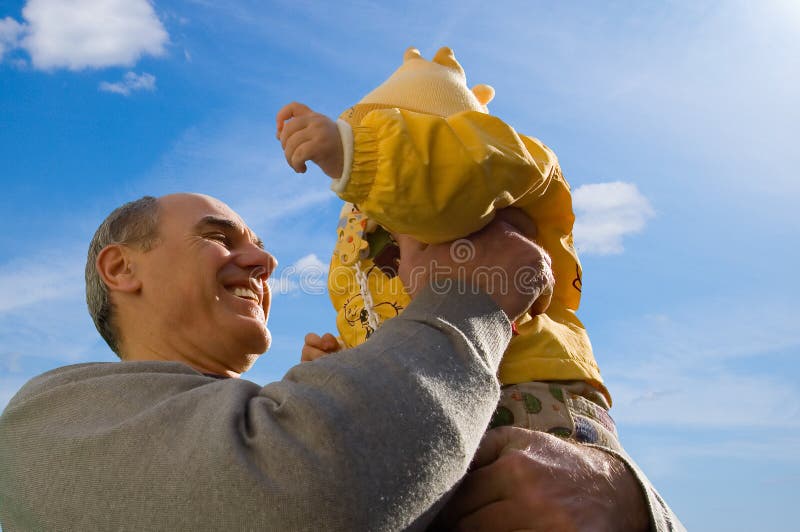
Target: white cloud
x=310, y=262
x=130, y=83
x=605, y=213
x=307, y=274
x=10, y=32
x=282, y=285
x=78, y=34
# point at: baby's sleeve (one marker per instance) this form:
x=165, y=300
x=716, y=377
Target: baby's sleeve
x=439, y=179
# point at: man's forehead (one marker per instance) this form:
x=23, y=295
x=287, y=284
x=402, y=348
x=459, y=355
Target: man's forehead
x=193, y=210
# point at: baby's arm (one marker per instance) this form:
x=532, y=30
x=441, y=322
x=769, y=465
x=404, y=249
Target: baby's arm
x=309, y=136
x=438, y=179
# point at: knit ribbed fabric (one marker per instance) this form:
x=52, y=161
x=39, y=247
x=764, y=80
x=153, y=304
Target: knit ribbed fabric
x=437, y=87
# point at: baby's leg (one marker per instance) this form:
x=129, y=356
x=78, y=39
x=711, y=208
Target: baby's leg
x=568, y=409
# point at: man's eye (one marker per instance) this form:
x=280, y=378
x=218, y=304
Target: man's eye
x=222, y=238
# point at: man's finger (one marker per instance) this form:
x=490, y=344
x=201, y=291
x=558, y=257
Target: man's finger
x=519, y=220
x=499, y=516
x=491, y=446
x=480, y=488
x=408, y=244
x=289, y=111
x=542, y=303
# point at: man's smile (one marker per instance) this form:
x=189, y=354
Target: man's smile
x=244, y=293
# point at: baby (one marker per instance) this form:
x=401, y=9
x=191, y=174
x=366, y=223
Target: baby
x=421, y=155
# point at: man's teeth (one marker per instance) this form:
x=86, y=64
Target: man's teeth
x=245, y=293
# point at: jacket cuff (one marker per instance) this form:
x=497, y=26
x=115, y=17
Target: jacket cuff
x=346, y=134
x=364, y=165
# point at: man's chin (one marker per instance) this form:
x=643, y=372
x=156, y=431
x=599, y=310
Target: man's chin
x=254, y=349
x=262, y=340
x=267, y=341
x=248, y=334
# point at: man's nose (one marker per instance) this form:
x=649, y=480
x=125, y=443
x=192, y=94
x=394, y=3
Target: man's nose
x=256, y=257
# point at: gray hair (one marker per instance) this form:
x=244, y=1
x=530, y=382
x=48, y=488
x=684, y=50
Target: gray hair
x=133, y=224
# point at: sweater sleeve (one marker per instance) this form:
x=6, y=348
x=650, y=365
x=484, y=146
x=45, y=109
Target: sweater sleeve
x=438, y=179
x=368, y=439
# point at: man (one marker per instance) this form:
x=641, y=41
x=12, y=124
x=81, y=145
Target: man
x=170, y=439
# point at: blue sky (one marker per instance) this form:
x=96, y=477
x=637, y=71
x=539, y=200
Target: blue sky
x=675, y=122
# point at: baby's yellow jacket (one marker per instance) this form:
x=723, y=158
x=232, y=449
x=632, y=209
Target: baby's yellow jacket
x=439, y=179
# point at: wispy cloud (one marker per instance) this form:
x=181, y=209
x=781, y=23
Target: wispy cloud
x=685, y=369
x=130, y=83
x=607, y=212
x=78, y=34
x=45, y=333
x=720, y=399
x=240, y=161
x=664, y=459
x=55, y=275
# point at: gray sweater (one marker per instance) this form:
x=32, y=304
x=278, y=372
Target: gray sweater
x=370, y=439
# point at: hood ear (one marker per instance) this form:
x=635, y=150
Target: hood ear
x=437, y=87
x=484, y=93
x=446, y=57
x=411, y=53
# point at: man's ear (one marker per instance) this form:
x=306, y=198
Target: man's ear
x=116, y=269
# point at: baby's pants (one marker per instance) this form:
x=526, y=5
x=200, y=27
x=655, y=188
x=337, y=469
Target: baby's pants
x=568, y=409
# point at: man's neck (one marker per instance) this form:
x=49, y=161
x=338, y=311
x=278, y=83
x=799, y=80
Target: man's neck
x=204, y=366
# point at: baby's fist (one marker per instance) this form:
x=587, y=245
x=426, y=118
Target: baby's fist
x=318, y=346
x=309, y=136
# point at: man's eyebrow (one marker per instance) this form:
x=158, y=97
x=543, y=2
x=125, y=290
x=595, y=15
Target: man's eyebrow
x=217, y=221
x=227, y=223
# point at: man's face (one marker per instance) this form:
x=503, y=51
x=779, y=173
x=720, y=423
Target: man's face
x=205, y=282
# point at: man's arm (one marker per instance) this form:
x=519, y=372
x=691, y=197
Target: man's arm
x=367, y=440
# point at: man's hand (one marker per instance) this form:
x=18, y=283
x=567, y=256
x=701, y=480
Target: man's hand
x=522, y=223
x=498, y=260
x=523, y=479
x=318, y=346
x=309, y=136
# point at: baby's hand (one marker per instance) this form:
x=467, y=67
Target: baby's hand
x=309, y=136
x=318, y=347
